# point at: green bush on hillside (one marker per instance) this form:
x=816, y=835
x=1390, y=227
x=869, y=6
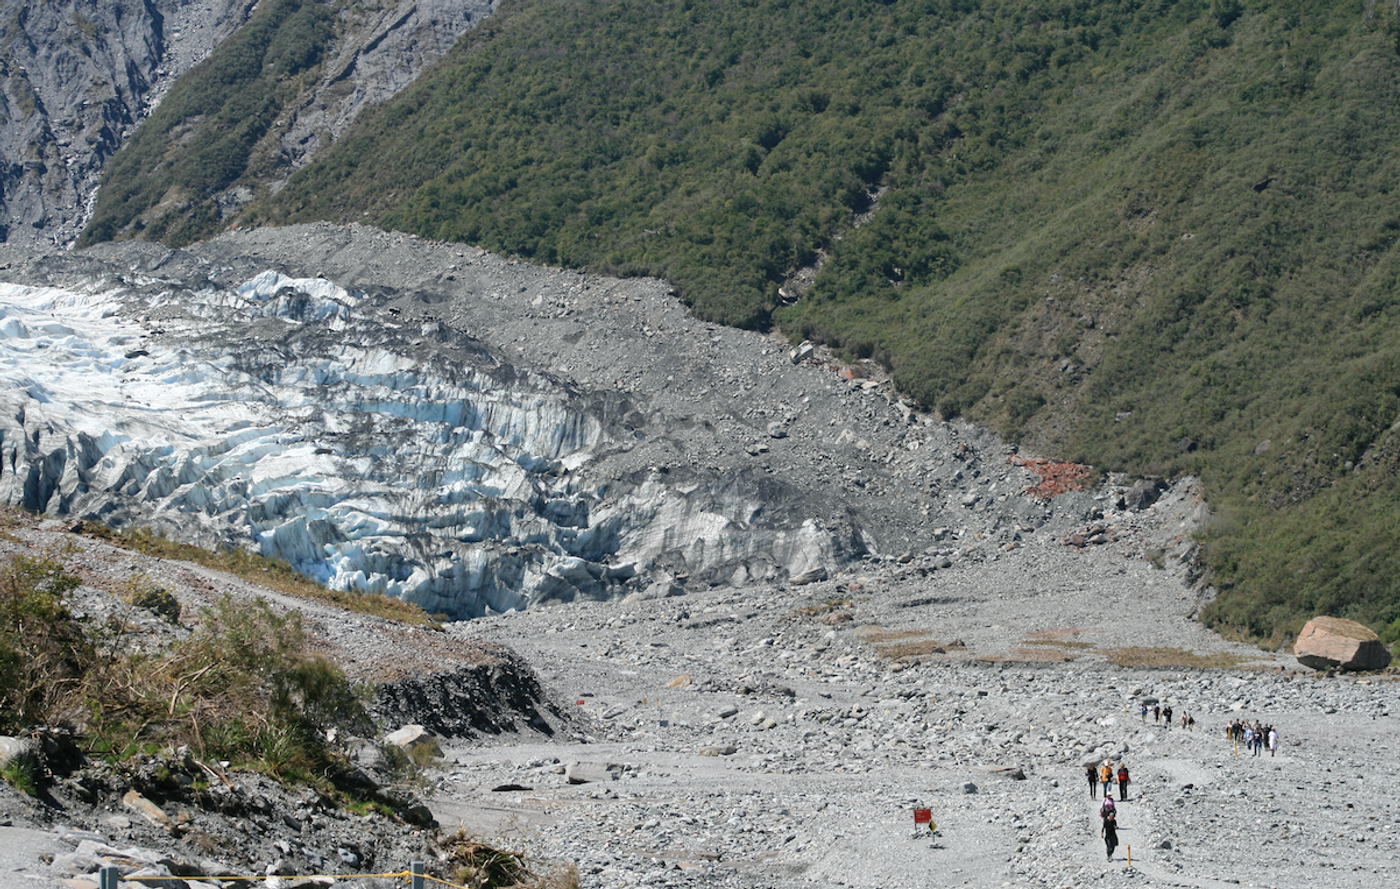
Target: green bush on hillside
x=44, y=655
x=243, y=687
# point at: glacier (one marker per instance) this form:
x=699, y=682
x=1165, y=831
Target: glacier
x=460, y=430
x=362, y=466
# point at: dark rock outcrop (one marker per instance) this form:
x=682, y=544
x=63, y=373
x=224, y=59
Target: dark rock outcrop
x=503, y=695
x=1143, y=493
x=79, y=77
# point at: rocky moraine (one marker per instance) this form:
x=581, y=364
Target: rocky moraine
x=721, y=612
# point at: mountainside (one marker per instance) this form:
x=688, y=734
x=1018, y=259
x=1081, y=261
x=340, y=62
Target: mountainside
x=78, y=76
x=1155, y=237
x=81, y=75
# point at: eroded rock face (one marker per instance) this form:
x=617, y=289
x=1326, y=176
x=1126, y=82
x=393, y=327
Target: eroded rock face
x=79, y=76
x=382, y=50
x=1328, y=643
x=471, y=700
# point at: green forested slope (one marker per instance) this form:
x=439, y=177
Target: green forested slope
x=205, y=134
x=1154, y=236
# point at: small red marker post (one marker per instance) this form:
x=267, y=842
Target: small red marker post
x=924, y=816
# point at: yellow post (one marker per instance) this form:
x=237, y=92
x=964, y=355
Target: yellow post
x=1130, y=856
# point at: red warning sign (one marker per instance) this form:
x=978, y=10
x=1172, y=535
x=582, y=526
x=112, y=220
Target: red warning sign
x=923, y=816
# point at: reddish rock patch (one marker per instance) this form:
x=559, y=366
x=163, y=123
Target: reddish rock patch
x=1056, y=477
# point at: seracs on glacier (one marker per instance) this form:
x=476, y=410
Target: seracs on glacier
x=406, y=459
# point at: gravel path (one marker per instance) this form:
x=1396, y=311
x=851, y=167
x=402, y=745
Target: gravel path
x=825, y=747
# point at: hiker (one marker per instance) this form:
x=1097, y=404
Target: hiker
x=1107, y=807
x=1167, y=716
x=1273, y=740
x=1122, y=781
x=1093, y=775
x=1106, y=776
x=1190, y=723
x=1156, y=713
x=1144, y=712
x=1109, y=831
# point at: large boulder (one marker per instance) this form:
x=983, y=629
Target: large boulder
x=1144, y=493
x=1335, y=643
x=15, y=750
x=593, y=772
x=419, y=743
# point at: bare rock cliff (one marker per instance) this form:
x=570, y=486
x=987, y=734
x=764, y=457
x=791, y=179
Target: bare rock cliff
x=79, y=76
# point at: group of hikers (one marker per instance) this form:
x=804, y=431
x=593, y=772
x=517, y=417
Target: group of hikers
x=1108, y=812
x=1103, y=775
x=1254, y=737
x=1163, y=716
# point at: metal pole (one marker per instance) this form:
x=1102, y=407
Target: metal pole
x=110, y=877
x=415, y=875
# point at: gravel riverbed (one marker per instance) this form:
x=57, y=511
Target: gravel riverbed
x=763, y=740
x=734, y=731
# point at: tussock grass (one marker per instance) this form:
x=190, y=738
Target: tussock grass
x=1042, y=655
x=1053, y=645
x=912, y=649
x=1060, y=643
x=819, y=610
x=897, y=645
x=478, y=863
x=274, y=574
x=1140, y=656
x=877, y=635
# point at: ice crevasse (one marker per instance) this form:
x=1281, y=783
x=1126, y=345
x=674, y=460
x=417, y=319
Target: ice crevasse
x=281, y=414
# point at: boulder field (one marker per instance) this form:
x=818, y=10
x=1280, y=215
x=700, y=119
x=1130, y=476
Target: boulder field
x=819, y=611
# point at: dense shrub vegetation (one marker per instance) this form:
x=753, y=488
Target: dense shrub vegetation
x=1155, y=236
x=243, y=687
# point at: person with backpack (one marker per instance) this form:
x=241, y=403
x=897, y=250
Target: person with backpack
x=1106, y=776
x=1109, y=832
x=1122, y=781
